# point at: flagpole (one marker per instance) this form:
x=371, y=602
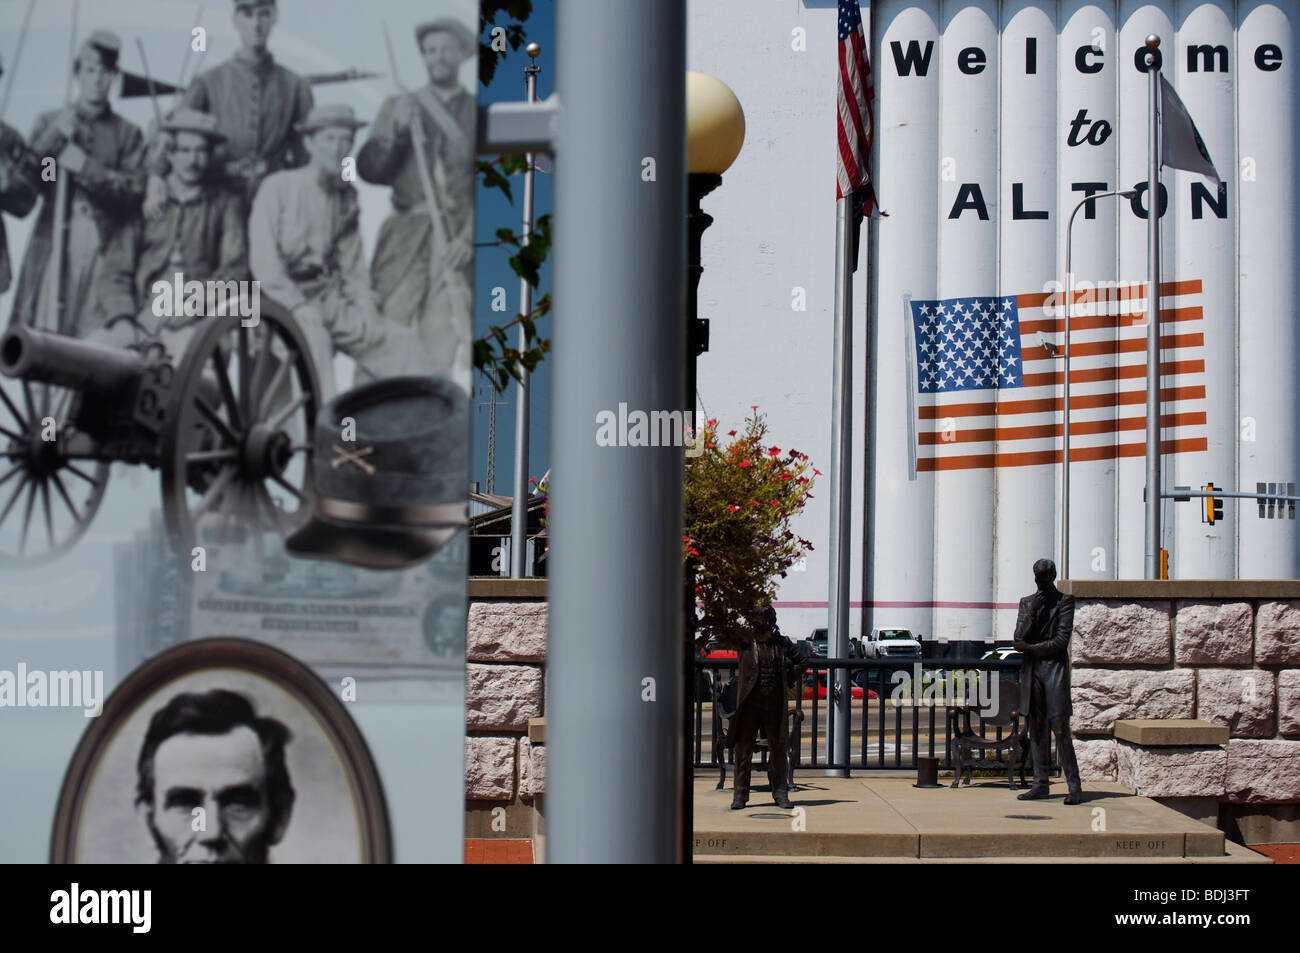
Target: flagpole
x=1152, y=568
x=519, y=505
x=837, y=740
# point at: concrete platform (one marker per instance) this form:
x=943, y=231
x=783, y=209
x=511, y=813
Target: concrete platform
x=888, y=820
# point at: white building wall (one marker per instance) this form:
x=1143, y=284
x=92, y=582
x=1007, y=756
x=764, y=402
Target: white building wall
x=949, y=551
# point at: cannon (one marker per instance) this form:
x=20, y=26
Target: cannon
x=228, y=426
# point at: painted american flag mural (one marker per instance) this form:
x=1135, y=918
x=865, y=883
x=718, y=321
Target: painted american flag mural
x=985, y=392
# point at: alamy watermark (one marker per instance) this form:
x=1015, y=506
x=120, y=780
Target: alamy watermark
x=126, y=907
x=179, y=298
x=919, y=688
x=655, y=428
x=53, y=689
x=1090, y=298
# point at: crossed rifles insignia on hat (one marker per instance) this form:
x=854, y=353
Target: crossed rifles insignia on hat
x=342, y=456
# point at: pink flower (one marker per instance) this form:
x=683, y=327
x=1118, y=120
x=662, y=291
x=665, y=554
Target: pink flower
x=816, y=471
x=732, y=507
x=774, y=451
x=753, y=406
x=712, y=423
x=743, y=463
x=785, y=476
x=731, y=433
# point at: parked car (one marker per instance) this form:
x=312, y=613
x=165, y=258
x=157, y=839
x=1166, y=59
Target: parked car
x=855, y=689
x=708, y=677
x=819, y=644
x=891, y=642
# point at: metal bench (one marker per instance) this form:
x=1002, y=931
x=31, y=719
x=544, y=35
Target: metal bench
x=724, y=709
x=971, y=750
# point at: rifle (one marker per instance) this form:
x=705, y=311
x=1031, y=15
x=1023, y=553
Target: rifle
x=148, y=78
x=59, y=238
x=18, y=52
x=344, y=76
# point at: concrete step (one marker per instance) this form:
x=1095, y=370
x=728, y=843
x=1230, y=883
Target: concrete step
x=876, y=819
x=1235, y=854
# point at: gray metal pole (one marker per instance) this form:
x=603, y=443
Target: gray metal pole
x=837, y=642
x=1065, y=417
x=1065, y=408
x=519, y=506
x=614, y=697
x=1153, y=321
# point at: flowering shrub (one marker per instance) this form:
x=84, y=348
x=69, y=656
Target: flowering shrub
x=740, y=500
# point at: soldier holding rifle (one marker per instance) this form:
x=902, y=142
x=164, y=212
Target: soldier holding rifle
x=257, y=103
x=423, y=144
x=101, y=155
x=20, y=186
x=198, y=233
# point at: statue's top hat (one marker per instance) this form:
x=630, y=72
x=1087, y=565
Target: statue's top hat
x=396, y=492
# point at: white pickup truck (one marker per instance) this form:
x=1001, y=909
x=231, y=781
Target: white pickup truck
x=891, y=642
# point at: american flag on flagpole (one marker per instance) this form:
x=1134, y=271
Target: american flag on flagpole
x=855, y=93
x=986, y=393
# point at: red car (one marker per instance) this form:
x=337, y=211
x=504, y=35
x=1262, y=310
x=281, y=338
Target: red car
x=855, y=691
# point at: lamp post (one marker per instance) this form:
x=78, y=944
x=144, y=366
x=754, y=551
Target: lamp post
x=519, y=506
x=715, y=131
x=1065, y=438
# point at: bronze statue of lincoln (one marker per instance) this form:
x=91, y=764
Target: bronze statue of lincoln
x=765, y=659
x=1042, y=636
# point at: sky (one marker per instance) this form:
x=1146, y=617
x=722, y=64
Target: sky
x=492, y=270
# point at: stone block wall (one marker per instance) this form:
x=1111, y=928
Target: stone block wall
x=1224, y=651
x=505, y=656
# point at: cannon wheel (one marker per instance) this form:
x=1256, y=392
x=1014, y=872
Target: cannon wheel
x=56, y=484
x=237, y=457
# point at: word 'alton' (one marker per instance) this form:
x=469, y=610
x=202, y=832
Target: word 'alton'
x=970, y=198
x=196, y=299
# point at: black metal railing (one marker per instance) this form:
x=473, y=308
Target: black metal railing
x=907, y=718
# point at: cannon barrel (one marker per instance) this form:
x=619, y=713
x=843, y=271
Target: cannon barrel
x=84, y=366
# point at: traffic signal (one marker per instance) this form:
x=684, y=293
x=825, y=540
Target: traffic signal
x=1213, y=505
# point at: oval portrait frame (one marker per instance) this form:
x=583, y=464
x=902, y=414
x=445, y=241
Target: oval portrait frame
x=253, y=658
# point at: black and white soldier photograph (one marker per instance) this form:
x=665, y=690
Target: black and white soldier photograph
x=222, y=751
x=217, y=224
x=237, y=270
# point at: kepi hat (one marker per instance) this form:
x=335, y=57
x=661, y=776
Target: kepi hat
x=397, y=493
x=450, y=25
x=107, y=44
x=191, y=120
x=334, y=115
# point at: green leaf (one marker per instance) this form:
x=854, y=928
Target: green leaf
x=492, y=178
